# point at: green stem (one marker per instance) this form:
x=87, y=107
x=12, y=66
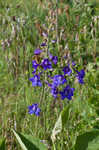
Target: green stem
x=54, y=146
x=57, y=24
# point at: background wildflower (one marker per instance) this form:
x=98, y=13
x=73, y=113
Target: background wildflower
x=43, y=44
x=37, y=51
x=33, y=109
x=54, y=59
x=80, y=76
x=36, y=81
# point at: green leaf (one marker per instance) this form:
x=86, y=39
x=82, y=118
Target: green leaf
x=62, y=120
x=28, y=142
x=20, y=140
x=65, y=115
x=57, y=128
x=2, y=144
x=88, y=141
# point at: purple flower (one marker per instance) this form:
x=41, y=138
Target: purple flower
x=43, y=44
x=57, y=80
x=80, y=76
x=54, y=92
x=54, y=41
x=55, y=59
x=46, y=64
x=37, y=51
x=34, y=64
x=50, y=56
x=80, y=80
x=67, y=70
x=67, y=93
x=36, y=81
x=34, y=71
x=44, y=34
x=33, y=109
x=73, y=63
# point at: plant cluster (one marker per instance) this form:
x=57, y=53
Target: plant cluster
x=60, y=84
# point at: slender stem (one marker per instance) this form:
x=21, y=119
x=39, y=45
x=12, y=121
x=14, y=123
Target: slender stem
x=57, y=24
x=24, y=65
x=41, y=95
x=17, y=62
x=54, y=146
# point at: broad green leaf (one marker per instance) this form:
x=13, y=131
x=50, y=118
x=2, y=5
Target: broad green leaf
x=88, y=141
x=20, y=141
x=28, y=142
x=2, y=144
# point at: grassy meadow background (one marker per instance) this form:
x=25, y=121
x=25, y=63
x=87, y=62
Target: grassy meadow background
x=22, y=23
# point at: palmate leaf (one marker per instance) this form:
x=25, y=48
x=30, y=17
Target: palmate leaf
x=88, y=141
x=28, y=142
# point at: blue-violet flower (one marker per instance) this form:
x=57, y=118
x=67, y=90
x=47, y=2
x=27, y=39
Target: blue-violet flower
x=54, y=41
x=33, y=109
x=36, y=81
x=67, y=93
x=43, y=44
x=67, y=70
x=80, y=76
x=37, y=51
x=34, y=64
x=46, y=64
x=73, y=63
x=54, y=59
x=54, y=92
x=57, y=80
